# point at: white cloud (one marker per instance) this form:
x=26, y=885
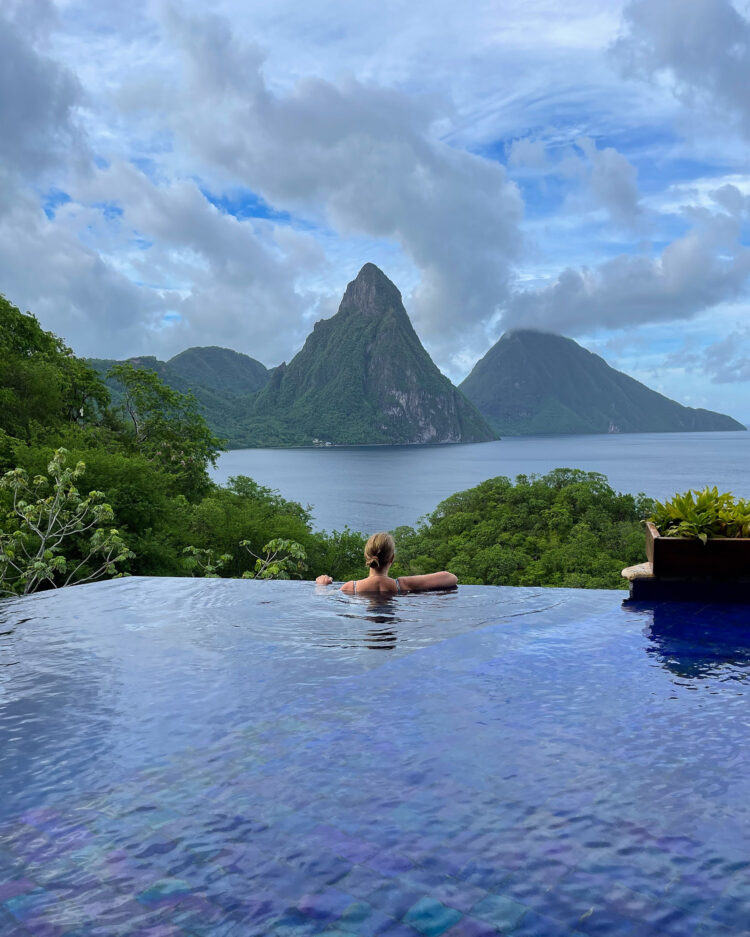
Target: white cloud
x=37, y=104
x=362, y=159
x=701, y=48
x=613, y=182
x=705, y=267
x=528, y=153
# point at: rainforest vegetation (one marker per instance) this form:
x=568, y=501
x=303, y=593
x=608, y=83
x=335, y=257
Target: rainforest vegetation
x=93, y=487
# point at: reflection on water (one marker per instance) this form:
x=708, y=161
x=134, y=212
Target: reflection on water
x=380, y=611
x=695, y=641
x=204, y=757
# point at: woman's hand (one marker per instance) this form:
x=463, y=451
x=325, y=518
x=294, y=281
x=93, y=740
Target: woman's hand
x=324, y=580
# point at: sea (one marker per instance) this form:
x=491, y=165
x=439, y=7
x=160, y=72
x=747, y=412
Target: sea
x=382, y=487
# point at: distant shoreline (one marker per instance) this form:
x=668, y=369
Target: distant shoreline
x=435, y=445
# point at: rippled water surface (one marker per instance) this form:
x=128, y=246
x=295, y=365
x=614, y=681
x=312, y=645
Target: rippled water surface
x=216, y=757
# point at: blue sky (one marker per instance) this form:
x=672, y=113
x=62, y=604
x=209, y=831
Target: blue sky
x=181, y=178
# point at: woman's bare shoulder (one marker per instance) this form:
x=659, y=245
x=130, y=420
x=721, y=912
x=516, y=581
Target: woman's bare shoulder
x=348, y=587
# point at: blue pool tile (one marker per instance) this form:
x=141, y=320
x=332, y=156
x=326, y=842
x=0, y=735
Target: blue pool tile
x=164, y=891
x=537, y=925
x=15, y=887
x=29, y=904
x=43, y=929
x=445, y=862
x=364, y=919
x=393, y=899
x=389, y=863
x=362, y=882
x=503, y=912
x=326, y=905
x=343, y=844
x=460, y=895
x=472, y=927
x=295, y=924
x=431, y=918
x=601, y=922
x=399, y=930
x=485, y=875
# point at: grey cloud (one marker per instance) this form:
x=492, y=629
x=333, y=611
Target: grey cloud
x=702, y=46
x=227, y=281
x=705, y=267
x=38, y=98
x=731, y=199
x=728, y=360
x=231, y=282
x=72, y=290
x=360, y=158
x=526, y=152
x=613, y=182
x=607, y=178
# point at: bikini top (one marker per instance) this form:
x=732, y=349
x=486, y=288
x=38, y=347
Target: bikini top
x=398, y=587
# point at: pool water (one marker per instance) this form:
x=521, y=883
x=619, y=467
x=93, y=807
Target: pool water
x=218, y=757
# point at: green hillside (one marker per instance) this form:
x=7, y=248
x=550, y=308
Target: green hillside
x=222, y=381
x=363, y=378
x=534, y=383
x=219, y=369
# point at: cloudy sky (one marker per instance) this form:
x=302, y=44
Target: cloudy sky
x=171, y=178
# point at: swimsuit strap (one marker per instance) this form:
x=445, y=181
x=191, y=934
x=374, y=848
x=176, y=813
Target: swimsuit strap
x=354, y=583
x=398, y=587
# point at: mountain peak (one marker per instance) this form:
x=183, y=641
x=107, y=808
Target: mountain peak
x=371, y=293
x=362, y=378
x=534, y=382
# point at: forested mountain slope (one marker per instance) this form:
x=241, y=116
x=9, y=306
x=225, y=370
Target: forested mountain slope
x=222, y=381
x=534, y=382
x=363, y=377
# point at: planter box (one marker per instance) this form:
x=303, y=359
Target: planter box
x=681, y=558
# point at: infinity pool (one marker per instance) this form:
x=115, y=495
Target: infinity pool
x=218, y=757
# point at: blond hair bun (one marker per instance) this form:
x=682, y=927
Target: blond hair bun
x=380, y=550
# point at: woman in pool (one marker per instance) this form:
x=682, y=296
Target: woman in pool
x=380, y=551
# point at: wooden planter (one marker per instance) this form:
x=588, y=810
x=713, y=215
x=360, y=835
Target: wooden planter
x=682, y=558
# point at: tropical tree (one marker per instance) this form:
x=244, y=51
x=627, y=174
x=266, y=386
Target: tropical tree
x=51, y=534
x=167, y=426
x=42, y=383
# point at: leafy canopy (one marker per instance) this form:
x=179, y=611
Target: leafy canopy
x=48, y=515
x=165, y=424
x=566, y=528
x=42, y=383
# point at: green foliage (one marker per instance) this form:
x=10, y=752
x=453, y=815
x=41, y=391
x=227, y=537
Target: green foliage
x=204, y=562
x=363, y=377
x=340, y=554
x=51, y=534
x=281, y=559
x=166, y=426
x=566, y=528
x=42, y=383
x=702, y=514
x=222, y=380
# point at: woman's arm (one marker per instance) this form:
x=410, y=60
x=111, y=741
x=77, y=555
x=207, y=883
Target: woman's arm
x=442, y=580
x=325, y=580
